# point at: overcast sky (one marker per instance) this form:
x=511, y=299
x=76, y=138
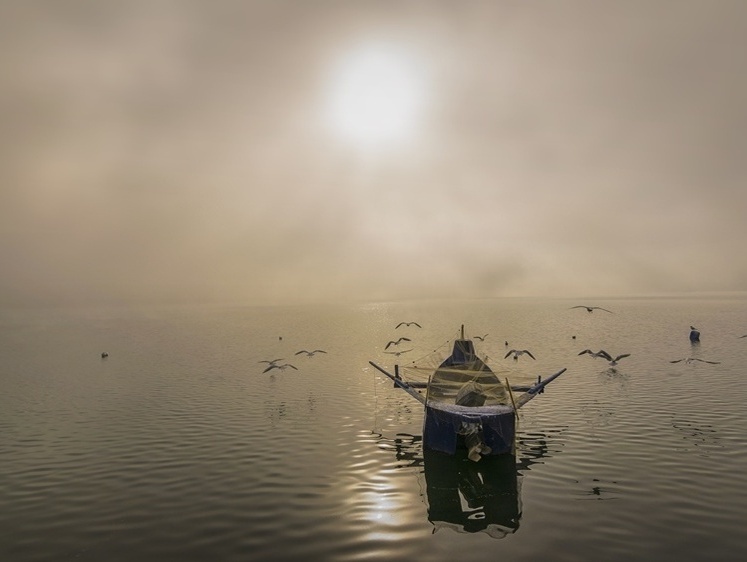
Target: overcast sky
x=286, y=151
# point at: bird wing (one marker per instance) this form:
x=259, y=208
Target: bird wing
x=418, y=325
x=390, y=343
x=603, y=353
x=528, y=353
x=579, y=306
x=622, y=356
x=600, y=308
x=300, y=352
x=291, y=366
x=319, y=351
x=270, y=368
x=403, y=339
x=586, y=351
x=400, y=324
x=676, y=360
x=509, y=353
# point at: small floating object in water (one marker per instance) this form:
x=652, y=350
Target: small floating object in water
x=694, y=334
x=104, y=355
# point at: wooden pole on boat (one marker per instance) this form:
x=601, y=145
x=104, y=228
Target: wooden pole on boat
x=536, y=389
x=402, y=384
x=516, y=416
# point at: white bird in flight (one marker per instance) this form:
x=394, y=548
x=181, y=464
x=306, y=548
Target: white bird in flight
x=310, y=353
x=600, y=353
x=613, y=361
x=517, y=353
x=690, y=360
x=281, y=367
x=400, y=340
x=398, y=353
x=407, y=324
x=270, y=362
x=592, y=308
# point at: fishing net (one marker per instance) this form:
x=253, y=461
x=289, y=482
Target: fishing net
x=459, y=373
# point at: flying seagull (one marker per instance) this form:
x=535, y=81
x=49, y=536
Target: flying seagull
x=690, y=360
x=616, y=359
x=310, y=353
x=592, y=308
x=407, y=324
x=398, y=353
x=518, y=352
x=400, y=340
x=281, y=367
x=481, y=338
x=271, y=362
x=600, y=353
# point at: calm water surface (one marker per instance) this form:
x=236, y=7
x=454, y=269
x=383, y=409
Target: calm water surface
x=178, y=447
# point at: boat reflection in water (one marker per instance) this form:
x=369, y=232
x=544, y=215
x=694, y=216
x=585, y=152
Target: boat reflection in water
x=471, y=497
x=467, y=496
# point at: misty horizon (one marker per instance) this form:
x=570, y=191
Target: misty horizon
x=293, y=152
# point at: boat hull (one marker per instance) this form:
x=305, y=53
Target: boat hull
x=444, y=428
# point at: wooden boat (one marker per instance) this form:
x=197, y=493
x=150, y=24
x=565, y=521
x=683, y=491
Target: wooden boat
x=467, y=405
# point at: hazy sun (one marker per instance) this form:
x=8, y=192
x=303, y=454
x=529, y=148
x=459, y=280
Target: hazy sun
x=376, y=96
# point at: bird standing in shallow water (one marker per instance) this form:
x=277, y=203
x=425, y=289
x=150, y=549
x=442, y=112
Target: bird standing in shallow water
x=517, y=353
